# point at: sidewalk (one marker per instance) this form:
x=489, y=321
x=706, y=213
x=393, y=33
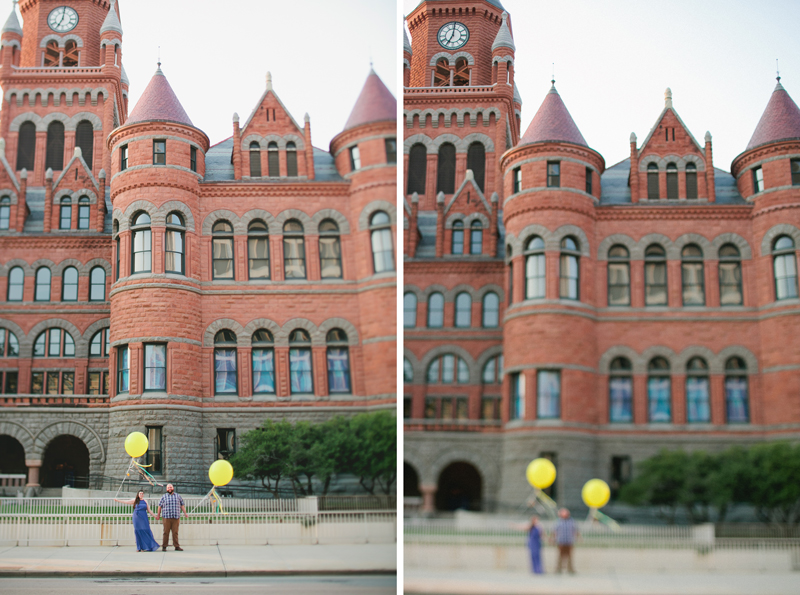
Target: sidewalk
x=511, y=583
x=218, y=561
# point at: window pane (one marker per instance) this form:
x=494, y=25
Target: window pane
x=223, y=258
x=263, y=371
x=16, y=284
x=655, y=279
x=52, y=383
x=658, y=395
x=730, y=283
x=785, y=276
x=300, y=367
x=122, y=369
x=66, y=217
x=37, y=383
x=98, y=285
x=294, y=258
x=569, y=277
x=433, y=372
x=94, y=383
x=68, y=383
x=693, y=294
x=491, y=310
x=83, y=217
x=43, y=285
x=155, y=367
x=535, y=276
x=225, y=371
x=436, y=310
x=476, y=241
x=174, y=252
x=69, y=291
x=330, y=257
x=736, y=399
x=621, y=399
x=55, y=343
x=69, y=345
x=463, y=372
x=382, y=250
x=448, y=369
x=517, y=410
x=259, y=257
x=338, y=370
x=458, y=241
x=697, y=398
x=409, y=310
x=463, y=310
x=549, y=394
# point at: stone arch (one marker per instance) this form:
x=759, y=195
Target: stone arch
x=252, y=138
x=450, y=295
x=346, y=326
x=408, y=143
x=371, y=208
x=26, y=348
x=97, y=123
x=300, y=144
x=20, y=433
x=462, y=54
x=474, y=373
x=119, y=218
x=27, y=269
x=250, y=216
x=430, y=289
x=487, y=355
x=10, y=193
x=655, y=238
x=569, y=230
x=613, y=240
x=648, y=159
x=288, y=214
x=94, y=328
x=416, y=291
x=321, y=215
x=694, y=238
x=638, y=365
x=53, y=117
x=776, y=231
x=48, y=38
x=97, y=262
x=453, y=218
x=476, y=137
x=731, y=238
x=75, y=195
x=222, y=215
x=471, y=454
x=180, y=207
x=26, y=117
x=440, y=55
x=115, y=41
x=660, y=351
x=448, y=138
x=699, y=162
x=305, y=324
x=534, y=229
x=506, y=58
x=242, y=337
x=72, y=37
x=682, y=359
x=511, y=247
x=58, y=269
x=738, y=350
x=136, y=207
x=419, y=377
x=491, y=288
x=74, y=428
x=262, y=323
x=16, y=44
x=476, y=217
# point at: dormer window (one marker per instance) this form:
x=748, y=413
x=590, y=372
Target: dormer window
x=758, y=180
x=255, y=160
x=461, y=75
x=291, y=159
x=652, y=181
x=273, y=161
x=691, y=180
x=672, y=180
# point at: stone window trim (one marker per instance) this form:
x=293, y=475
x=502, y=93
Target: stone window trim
x=274, y=224
x=448, y=114
x=415, y=366
x=436, y=352
x=318, y=334
x=70, y=122
x=680, y=162
x=75, y=195
x=761, y=162
x=552, y=239
x=467, y=221
x=62, y=41
x=461, y=144
x=678, y=361
x=158, y=215
x=282, y=141
x=71, y=427
x=368, y=211
x=774, y=233
x=451, y=58
x=387, y=135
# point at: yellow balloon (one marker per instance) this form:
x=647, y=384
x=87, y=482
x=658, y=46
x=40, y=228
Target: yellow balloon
x=136, y=444
x=595, y=493
x=541, y=473
x=220, y=473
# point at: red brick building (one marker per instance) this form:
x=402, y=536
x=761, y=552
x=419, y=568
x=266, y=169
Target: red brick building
x=556, y=306
x=151, y=282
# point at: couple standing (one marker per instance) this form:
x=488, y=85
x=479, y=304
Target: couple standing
x=170, y=506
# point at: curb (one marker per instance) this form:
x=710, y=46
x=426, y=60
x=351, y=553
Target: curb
x=201, y=573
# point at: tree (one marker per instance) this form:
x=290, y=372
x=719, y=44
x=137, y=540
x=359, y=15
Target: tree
x=375, y=457
x=263, y=454
x=774, y=489
x=661, y=482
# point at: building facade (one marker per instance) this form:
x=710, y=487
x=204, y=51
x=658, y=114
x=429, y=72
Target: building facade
x=151, y=282
x=555, y=306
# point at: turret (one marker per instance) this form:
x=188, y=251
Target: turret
x=503, y=50
x=111, y=39
x=11, y=40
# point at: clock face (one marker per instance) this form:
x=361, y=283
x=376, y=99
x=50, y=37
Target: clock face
x=62, y=19
x=453, y=35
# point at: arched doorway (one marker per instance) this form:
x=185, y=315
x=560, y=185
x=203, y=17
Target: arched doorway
x=460, y=488
x=65, y=463
x=410, y=482
x=12, y=461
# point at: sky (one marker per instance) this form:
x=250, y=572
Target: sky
x=614, y=59
x=216, y=56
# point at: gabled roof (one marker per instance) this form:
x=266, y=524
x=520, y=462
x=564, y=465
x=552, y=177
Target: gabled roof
x=159, y=103
x=112, y=20
x=280, y=103
x=780, y=120
x=668, y=107
x=504, y=39
x=78, y=156
x=469, y=180
x=552, y=123
x=12, y=24
x=375, y=104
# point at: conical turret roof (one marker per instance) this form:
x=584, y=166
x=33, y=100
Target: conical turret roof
x=375, y=104
x=112, y=20
x=781, y=119
x=552, y=123
x=12, y=24
x=406, y=42
x=504, y=39
x=159, y=103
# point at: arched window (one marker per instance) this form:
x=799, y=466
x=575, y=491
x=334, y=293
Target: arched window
x=417, y=169
x=463, y=310
x=476, y=238
x=691, y=180
x=461, y=74
x=652, y=181
x=84, y=138
x=785, y=267
x=71, y=54
x=255, y=160
x=65, y=217
x=380, y=226
x=534, y=268
x=448, y=369
x=263, y=362
x=291, y=159
x=69, y=285
x=258, y=250
x=659, y=393
x=446, y=169
x=222, y=244
x=730, y=276
x=300, y=363
x=294, y=250
x=692, y=276
x=97, y=286
x=441, y=74
x=620, y=391
x=330, y=250
x=458, y=237
x=16, y=284
x=142, y=245
x=273, y=160
x=225, y=378
x=175, y=245
x=54, y=342
x=409, y=310
x=52, y=54
x=435, y=310
x=84, y=211
x=672, y=180
x=42, y=285
x=55, y=146
x=9, y=345
x=698, y=408
x=619, y=276
x=476, y=161
x=26, y=146
x=408, y=371
x=5, y=212
x=570, y=273
x=736, y=397
x=655, y=276
x=493, y=371
x=100, y=344
x=491, y=310
x=338, y=362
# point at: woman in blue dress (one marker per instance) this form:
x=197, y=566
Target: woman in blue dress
x=145, y=542
x=535, y=544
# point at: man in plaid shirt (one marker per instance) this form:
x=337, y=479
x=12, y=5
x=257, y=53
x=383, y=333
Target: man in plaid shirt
x=171, y=504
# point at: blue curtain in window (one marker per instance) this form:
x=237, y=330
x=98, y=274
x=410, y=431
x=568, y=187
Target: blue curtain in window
x=697, y=396
x=300, y=366
x=263, y=371
x=621, y=397
x=225, y=370
x=736, y=399
x=338, y=370
x=658, y=395
x=549, y=389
